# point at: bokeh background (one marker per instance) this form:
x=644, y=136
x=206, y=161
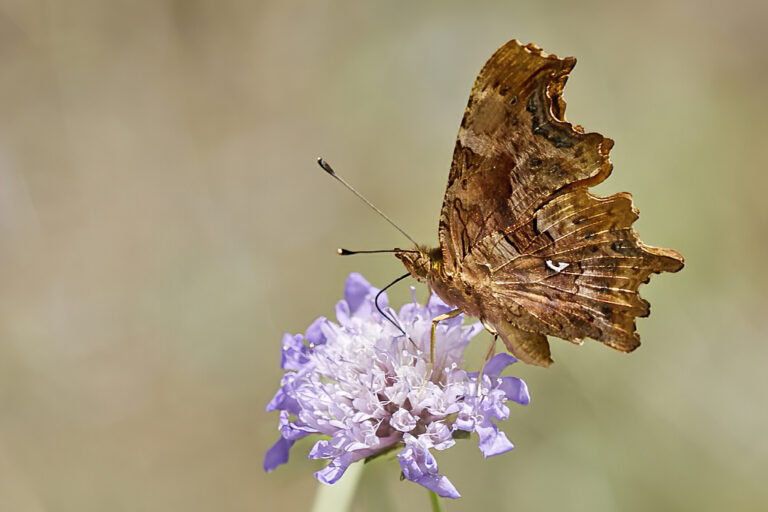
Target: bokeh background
x=163, y=222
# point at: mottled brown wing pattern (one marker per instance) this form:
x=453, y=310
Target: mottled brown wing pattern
x=514, y=149
x=578, y=277
x=519, y=227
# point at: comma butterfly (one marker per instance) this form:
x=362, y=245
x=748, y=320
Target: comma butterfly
x=524, y=246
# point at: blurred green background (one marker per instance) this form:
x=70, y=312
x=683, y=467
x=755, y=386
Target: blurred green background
x=163, y=222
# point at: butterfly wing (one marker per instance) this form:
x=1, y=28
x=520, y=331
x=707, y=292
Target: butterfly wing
x=514, y=149
x=519, y=225
x=577, y=277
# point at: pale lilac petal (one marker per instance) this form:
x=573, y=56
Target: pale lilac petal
x=343, y=314
x=356, y=290
x=331, y=473
x=493, y=404
x=436, y=303
x=358, y=294
x=315, y=335
x=322, y=449
x=497, y=364
x=435, y=307
x=284, y=399
x=409, y=312
x=294, y=431
x=415, y=460
x=294, y=353
x=492, y=442
x=472, y=330
x=465, y=423
x=515, y=389
x=438, y=484
x=278, y=454
x=420, y=466
x=439, y=435
x=403, y=421
x=278, y=401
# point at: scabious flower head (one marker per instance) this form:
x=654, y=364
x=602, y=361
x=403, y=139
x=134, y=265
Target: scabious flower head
x=370, y=389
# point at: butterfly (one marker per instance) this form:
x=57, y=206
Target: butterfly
x=523, y=245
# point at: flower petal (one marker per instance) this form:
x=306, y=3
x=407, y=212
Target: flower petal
x=403, y=420
x=438, y=484
x=436, y=302
x=515, y=389
x=278, y=454
x=439, y=435
x=497, y=364
x=315, y=335
x=284, y=399
x=342, y=312
x=294, y=353
x=331, y=473
x=357, y=291
x=492, y=442
x=471, y=330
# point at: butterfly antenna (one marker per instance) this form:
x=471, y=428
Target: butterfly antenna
x=376, y=302
x=346, y=252
x=327, y=168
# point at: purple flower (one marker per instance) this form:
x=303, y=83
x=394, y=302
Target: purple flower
x=369, y=389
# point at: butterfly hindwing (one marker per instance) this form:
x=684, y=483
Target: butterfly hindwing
x=578, y=275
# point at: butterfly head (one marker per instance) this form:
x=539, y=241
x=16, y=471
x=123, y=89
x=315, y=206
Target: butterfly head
x=420, y=262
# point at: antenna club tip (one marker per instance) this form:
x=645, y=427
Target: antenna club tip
x=343, y=252
x=325, y=166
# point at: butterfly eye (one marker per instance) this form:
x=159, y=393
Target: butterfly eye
x=557, y=267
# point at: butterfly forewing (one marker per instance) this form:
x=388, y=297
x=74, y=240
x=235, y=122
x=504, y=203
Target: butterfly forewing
x=514, y=149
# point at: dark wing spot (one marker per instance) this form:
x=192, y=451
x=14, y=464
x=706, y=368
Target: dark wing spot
x=510, y=242
x=557, y=171
x=535, y=225
x=624, y=248
x=541, y=125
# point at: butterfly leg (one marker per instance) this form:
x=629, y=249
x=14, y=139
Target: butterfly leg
x=439, y=318
x=488, y=356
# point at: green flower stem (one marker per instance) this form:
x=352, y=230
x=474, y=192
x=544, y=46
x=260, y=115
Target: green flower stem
x=434, y=500
x=338, y=497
